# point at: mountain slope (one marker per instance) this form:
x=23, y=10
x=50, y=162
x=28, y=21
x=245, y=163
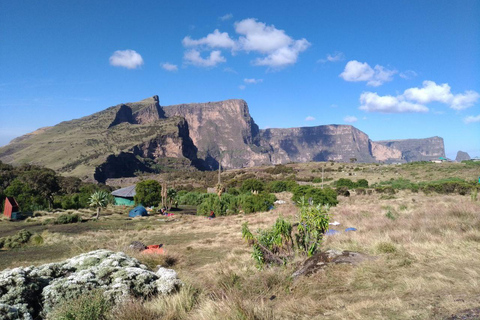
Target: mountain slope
x=142, y=136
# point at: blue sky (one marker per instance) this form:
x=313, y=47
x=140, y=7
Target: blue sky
x=393, y=69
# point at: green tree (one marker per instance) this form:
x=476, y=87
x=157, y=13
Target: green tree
x=171, y=198
x=99, y=200
x=148, y=193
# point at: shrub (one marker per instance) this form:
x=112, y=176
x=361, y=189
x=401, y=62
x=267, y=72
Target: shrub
x=252, y=185
x=281, y=185
x=343, y=191
x=19, y=239
x=229, y=204
x=360, y=191
x=92, y=306
x=148, y=193
x=324, y=196
x=67, y=218
x=279, y=168
x=191, y=198
x=250, y=203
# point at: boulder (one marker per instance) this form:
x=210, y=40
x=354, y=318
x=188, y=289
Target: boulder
x=25, y=292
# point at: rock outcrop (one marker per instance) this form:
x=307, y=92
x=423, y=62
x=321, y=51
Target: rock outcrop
x=138, y=136
x=462, y=156
x=416, y=149
x=34, y=291
x=321, y=143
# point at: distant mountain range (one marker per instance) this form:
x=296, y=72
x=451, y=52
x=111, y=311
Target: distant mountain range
x=146, y=137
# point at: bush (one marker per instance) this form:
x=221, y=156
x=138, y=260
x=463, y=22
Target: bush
x=317, y=196
x=19, y=239
x=343, y=191
x=92, y=306
x=191, y=198
x=67, y=218
x=279, y=168
x=281, y=185
x=229, y=204
x=148, y=193
x=360, y=191
x=250, y=185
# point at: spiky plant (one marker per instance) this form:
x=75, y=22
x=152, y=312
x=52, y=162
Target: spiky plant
x=99, y=200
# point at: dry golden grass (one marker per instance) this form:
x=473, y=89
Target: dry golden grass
x=427, y=250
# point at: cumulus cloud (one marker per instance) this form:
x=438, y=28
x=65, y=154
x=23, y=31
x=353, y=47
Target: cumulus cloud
x=357, y=71
x=472, y=119
x=372, y=102
x=408, y=74
x=350, y=119
x=216, y=39
x=129, y=59
x=334, y=57
x=226, y=17
x=193, y=57
x=169, y=67
x=278, y=49
x=309, y=118
x=432, y=92
x=253, y=81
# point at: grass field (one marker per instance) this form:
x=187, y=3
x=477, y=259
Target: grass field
x=425, y=253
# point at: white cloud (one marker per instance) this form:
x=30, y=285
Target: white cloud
x=281, y=49
x=372, y=102
x=408, y=74
x=226, y=17
x=253, y=81
x=336, y=56
x=242, y=87
x=278, y=49
x=472, y=119
x=464, y=101
x=350, y=119
x=193, y=57
x=216, y=39
x=129, y=59
x=230, y=70
x=357, y=71
x=333, y=106
x=309, y=118
x=169, y=67
x=431, y=92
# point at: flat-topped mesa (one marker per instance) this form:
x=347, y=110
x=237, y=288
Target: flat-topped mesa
x=222, y=131
x=416, y=149
x=320, y=143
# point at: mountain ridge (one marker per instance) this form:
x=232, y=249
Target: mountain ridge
x=147, y=136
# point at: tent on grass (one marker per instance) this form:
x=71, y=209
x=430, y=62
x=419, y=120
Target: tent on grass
x=138, y=211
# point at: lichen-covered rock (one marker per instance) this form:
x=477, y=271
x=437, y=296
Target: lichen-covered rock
x=33, y=289
x=167, y=280
x=16, y=312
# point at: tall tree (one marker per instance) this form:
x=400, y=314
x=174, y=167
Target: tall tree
x=148, y=193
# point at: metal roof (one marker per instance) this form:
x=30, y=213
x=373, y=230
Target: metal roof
x=127, y=192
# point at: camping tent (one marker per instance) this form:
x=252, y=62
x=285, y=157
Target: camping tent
x=138, y=211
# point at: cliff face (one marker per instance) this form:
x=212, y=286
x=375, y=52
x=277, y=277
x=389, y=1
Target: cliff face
x=143, y=136
x=321, y=143
x=222, y=131
x=416, y=149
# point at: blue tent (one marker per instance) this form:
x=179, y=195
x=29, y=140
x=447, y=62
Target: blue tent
x=138, y=211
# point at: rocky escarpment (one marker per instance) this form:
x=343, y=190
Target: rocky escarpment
x=223, y=132
x=416, y=149
x=138, y=136
x=32, y=292
x=322, y=143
